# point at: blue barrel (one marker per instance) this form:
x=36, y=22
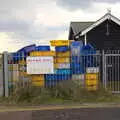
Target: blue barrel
x=42, y=48
x=63, y=71
x=76, y=47
x=62, y=48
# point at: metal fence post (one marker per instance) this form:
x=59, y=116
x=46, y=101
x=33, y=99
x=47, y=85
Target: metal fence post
x=5, y=73
x=103, y=68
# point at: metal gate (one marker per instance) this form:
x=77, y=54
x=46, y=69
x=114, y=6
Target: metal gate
x=111, y=71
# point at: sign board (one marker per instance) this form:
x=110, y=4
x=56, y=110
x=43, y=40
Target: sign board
x=92, y=70
x=40, y=65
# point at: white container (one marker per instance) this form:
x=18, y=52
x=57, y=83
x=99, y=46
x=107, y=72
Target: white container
x=92, y=70
x=63, y=66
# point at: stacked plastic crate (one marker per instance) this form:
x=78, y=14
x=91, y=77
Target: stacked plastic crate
x=92, y=67
x=41, y=51
x=77, y=65
x=22, y=54
x=62, y=69
x=92, y=78
x=12, y=71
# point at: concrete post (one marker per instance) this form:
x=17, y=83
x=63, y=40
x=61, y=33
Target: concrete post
x=1, y=76
x=5, y=73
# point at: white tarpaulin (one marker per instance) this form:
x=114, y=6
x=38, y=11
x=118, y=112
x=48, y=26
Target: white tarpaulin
x=40, y=65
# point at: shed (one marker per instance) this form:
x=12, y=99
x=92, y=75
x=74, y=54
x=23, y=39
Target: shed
x=102, y=34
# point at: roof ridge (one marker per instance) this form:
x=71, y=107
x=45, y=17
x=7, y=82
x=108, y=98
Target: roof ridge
x=81, y=21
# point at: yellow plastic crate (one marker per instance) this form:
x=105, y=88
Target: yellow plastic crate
x=60, y=42
x=62, y=60
x=10, y=67
x=40, y=83
x=43, y=53
x=92, y=76
x=55, y=65
x=37, y=77
x=22, y=62
x=92, y=88
x=63, y=54
x=91, y=82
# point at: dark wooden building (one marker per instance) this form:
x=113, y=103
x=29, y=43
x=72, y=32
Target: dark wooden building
x=102, y=34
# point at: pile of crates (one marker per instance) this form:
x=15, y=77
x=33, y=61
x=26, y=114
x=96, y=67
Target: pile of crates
x=70, y=62
x=77, y=66
x=92, y=78
x=62, y=69
x=39, y=80
x=18, y=65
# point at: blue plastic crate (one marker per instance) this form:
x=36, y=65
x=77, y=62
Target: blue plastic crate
x=77, y=43
x=88, y=49
x=55, y=77
x=28, y=49
x=76, y=47
x=62, y=71
x=42, y=48
x=19, y=56
x=77, y=69
x=16, y=56
x=62, y=48
x=90, y=61
x=76, y=59
x=76, y=65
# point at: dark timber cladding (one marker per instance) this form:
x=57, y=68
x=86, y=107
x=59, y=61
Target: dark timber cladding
x=104, y=37
x=102, y=34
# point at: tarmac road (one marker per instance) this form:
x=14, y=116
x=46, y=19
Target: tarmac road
x=64, y=114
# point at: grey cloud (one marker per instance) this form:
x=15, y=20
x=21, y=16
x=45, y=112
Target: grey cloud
x=36, y=33
x=23, y=30
x=74, y=4
x=106, y=1
x=13, y=25
x=81, y=4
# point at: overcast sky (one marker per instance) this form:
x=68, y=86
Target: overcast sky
x=24, y=22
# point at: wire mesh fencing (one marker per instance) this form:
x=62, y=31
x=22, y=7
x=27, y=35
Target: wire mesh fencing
x=66, y=68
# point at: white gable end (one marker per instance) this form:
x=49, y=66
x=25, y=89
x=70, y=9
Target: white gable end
x=107, y=16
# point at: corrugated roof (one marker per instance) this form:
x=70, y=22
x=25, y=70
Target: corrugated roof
x=79, y=26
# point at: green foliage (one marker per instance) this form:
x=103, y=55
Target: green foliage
x=65, y=91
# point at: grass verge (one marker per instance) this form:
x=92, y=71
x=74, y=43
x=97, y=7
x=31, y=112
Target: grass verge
x=64, y=93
